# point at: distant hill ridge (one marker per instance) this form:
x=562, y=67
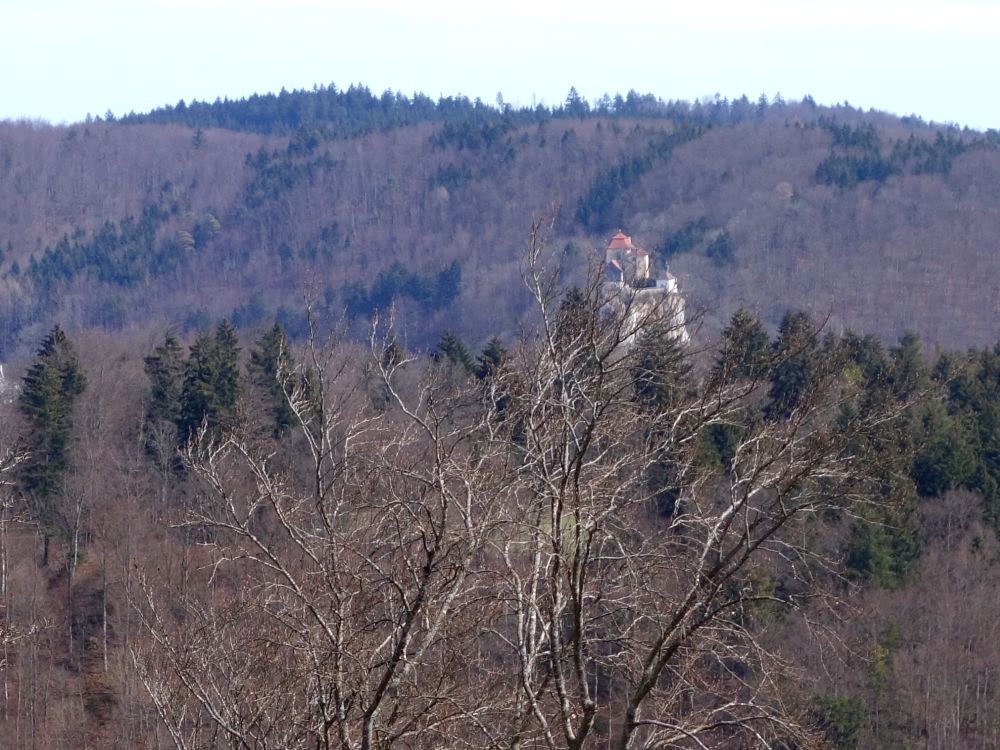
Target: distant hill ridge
x=357, y=110
x=195, y=212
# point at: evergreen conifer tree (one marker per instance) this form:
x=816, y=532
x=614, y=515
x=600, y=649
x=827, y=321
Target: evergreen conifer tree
x=198, y=396
x=573, y=318
x=491, y=358
x=744, y=346
x=661, y=378
x=269, y=368
x=795, y=351
x=227, y=364
x=211, y=382
x=908, y=372
x=50, y=388
x=662, y=368
x=451, y=350
x=165, y=370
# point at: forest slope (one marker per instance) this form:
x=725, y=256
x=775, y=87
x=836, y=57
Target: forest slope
x=878, y=224
x=879, y=609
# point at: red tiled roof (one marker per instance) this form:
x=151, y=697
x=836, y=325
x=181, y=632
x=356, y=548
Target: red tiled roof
x=620, y=241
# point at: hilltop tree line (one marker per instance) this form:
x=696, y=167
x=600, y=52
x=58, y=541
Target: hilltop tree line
x=356, y=110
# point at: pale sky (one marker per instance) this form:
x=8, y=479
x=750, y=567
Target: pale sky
x=63, y=59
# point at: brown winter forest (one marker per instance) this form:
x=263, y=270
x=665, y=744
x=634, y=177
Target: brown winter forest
x=880, y=224
x=318, y=428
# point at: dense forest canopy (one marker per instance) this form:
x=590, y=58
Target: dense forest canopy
x=356, y=110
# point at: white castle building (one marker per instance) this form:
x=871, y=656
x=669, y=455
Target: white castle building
x=629, y=285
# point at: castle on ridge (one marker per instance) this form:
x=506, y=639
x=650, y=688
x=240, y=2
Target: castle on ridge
x=628, y=283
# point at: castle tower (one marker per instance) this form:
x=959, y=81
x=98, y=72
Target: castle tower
x=627, y=282
x=633, y=260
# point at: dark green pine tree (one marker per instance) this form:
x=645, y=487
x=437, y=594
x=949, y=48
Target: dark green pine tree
x=270, y=370
x=490, y=364
x=662, y=370
x=211, y=382
x=199, y=400
x=51, y=385
x=945, y=455
x=867, y=354
x=974, y=401
x=661, y=375
x=883, y=548
x=795, y=353
x=227, y=358
x=165, y=370
x=908, y=373
x=745, y=347
x=450, y=350
x=745, y=354
x=490, y=360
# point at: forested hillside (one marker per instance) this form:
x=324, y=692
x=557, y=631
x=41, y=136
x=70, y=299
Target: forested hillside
x=321, y=437
x=195, y=212
x=223, y=541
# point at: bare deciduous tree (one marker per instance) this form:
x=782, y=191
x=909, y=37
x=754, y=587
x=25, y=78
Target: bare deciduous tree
x=338, y=603
x=484, y=565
